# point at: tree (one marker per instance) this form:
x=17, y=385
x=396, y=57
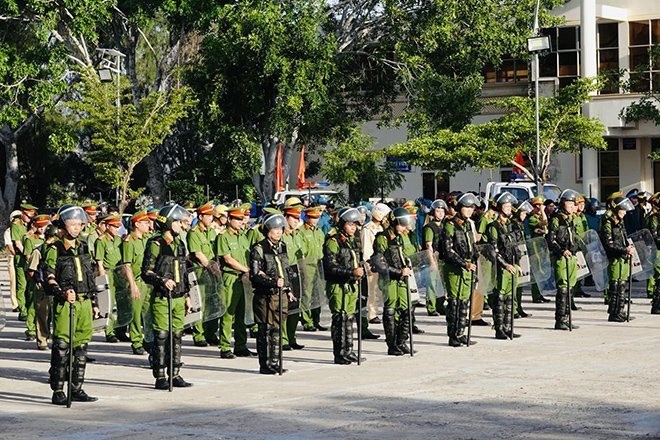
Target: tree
x=562, y=129
x=121, y=137
x=266, y=76
x=647, y=108
x=354, y=162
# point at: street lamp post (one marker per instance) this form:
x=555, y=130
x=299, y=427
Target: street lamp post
x=111, y=63
x=537, y=43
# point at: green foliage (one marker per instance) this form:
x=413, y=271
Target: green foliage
x=122, y=137
x=444, y=46
x=494, y=144
x=354, y=162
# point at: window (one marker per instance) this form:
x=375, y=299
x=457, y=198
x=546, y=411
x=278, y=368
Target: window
x=510, y=70
x=608, y=56
x=563, y=61
x=644, y=52
x=608, y=168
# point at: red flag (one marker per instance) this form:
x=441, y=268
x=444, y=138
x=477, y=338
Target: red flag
x=301, y=169
x=519, y=159
x=279, y=171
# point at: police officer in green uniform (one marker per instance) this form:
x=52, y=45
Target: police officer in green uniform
x=460, y=268
x=232, y=249
x=164, y=268
x=563, y=244
x=70, y=279
x=342, y=257
x=432, y=234
x=132, y=252
x=538, y=227
x=32, y=240
x=313, y=239
x=294, y=249
x=520, y=212
x=581, y=227
x=201, y=239
x=653, y=225
x=108, y=256
x=17, y=231
x=392, y=249
x=269, y=275
x=615, y=241
x=503, y=238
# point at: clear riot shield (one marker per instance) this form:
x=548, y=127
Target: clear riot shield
x=427, y=280
x=582, y=265
x=540, y=265
x=123, y=311
x=248, y=291
x=643, y=258
x=595, y=259
x=296, y=289
x=525, y=277
x=313, y=284
x=486, y=269
x=104, y=303
x=211, y=294
x=195, y=299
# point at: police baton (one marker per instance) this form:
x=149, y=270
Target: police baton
x=629, y=287
x=279, y=329
x=69, y=387
x=469, y=317
x=170, y=338
x=513, y=303
x=570, y=298
x=410, y=321
x=359, y=321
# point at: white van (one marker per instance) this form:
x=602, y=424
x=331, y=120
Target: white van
x=522, y=190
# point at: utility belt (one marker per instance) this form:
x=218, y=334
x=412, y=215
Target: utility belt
x=164, y=295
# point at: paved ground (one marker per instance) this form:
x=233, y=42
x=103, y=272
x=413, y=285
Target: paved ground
x=600, y=381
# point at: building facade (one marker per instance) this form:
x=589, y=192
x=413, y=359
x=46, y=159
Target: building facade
x=597, y=37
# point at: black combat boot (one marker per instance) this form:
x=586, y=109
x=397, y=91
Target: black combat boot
x=616, y=303
x=403, y=332
x=337, y=334
x=348, y=339
x=451, y=314
x=499, y=310
x=158, y=359
x=262, y=349
x=463, y=316
x=655, y=304
x=177, y=380
x=78, y=376
x=58, y=368
x=561, y=309
x=389, y=325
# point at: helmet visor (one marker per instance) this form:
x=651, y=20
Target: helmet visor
x=274, y=221
x=625, y=205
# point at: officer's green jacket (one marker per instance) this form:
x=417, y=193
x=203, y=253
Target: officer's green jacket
x=538, y=227
x=165, y=258
x=132, y=251
x=581, y=224
x=562, y=235
x=613, y=237
x=31, y=241
x=236, y=244
x=313, y=239
x=482, y=224
x=653, y=225
x=107, y=251
x=294, y=245
x=201, y=239
x=342, y=254
x=70, y=264
x=459, y=247
x=502, y=236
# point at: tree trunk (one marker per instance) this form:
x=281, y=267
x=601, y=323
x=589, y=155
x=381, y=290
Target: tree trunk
x=156, y=179
x=8, y=140
x=270, y=153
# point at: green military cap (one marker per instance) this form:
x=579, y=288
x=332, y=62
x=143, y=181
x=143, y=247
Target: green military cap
x=28, y=207
x=313, y=211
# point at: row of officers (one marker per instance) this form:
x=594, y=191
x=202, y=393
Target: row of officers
x=284, y=261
